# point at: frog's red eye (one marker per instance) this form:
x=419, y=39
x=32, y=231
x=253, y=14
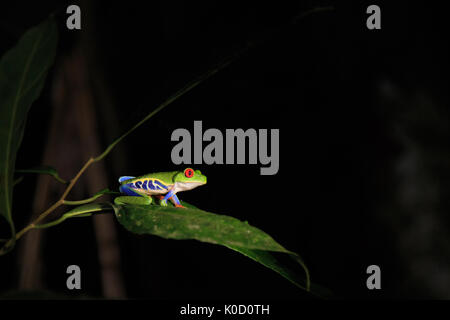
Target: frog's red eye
x=189, y=173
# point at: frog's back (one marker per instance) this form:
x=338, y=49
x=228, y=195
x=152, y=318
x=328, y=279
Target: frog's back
x=167, y=177
x=164, y=176
x=150, y=184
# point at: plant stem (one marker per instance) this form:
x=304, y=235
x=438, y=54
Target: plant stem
x=59, y=202
x=44, y=214
x=78, y=202
x=75, y=179
x=17, y=181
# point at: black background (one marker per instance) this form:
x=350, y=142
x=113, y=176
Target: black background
x=321, y=81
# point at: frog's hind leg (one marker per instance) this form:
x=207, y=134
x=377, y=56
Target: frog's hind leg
x=125, y=189
x=132, y=197
x=133, y=200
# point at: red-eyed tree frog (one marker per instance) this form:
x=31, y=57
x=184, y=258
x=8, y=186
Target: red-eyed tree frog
x=162, y=185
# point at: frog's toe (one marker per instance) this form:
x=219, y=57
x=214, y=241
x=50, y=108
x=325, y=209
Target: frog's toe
x=180, y=206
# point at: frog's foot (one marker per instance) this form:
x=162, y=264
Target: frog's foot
x=176, y=202
x=162, y=201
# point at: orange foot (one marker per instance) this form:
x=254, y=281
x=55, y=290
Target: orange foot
x=180, y=206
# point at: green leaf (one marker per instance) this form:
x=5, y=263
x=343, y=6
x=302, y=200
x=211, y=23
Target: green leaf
x=23, y=70
x=177, y=223
x=192, y=223
x=43, y=170
x=78, y=212
x=94, y=197
x=106, y=191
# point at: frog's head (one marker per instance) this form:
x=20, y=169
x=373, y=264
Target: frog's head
x=189, y=179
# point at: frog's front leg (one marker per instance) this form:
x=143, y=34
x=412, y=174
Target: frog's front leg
x=144, y=200
x=176, y=202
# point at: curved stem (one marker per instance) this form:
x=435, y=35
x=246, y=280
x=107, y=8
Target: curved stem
x=61, y=219
x=59, y=179
x=167, y=102
x=51, y=224
x=78, y=202
x=39, y=170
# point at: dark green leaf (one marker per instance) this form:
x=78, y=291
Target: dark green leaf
x=192, y=223
x=177, y=223
x=43, y=170
x=23, y=70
